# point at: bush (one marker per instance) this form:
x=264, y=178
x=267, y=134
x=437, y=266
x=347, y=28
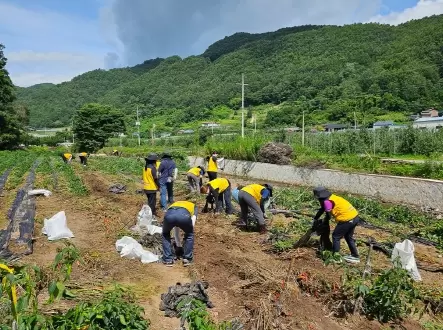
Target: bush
x=391, y=296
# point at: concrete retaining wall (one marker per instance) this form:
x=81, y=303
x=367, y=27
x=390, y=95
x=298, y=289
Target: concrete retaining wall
x=419, y=192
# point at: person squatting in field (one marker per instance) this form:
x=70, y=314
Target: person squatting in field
x=168, y=173
x=194, y=176
x=83, y=158
x=254, y=197
x=182, y=215
x=150, y=181
x=346, y=217
x=219, y=190
x=67, y=157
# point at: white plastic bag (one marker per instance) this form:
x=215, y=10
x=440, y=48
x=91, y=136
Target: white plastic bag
x=154, y=230
x=405, y=252
x=56, y=227
x=144, y=219
x=221, y=163
x=44, y=192
x=131, y=249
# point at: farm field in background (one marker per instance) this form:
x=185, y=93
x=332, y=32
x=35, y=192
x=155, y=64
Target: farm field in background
x=245, y=273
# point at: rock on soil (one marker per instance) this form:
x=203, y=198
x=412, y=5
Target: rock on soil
x=177, y=293
x=275, y=153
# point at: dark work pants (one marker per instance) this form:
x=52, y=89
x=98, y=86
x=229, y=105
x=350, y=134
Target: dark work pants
x=246, y=201
x=82, y=160
x=212, y=175
x=194, y=182
x=224, y=197
x=346, y=230
x=178, y=217
x=152, y=200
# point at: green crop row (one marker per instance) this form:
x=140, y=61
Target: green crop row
x=73, y=181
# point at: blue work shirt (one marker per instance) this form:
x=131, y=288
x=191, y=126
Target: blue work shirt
x=166, y=170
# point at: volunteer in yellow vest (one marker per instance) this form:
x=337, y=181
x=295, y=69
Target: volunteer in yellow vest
x=115, y=152
x=150, y=181
x=194, y=176
x=220, y=191
x=67, y=157
x=254, y=197
x=346, y=217
x=83, y=158
x=182, y=215
x=212, y=166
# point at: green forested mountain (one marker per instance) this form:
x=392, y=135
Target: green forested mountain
x=367, y=68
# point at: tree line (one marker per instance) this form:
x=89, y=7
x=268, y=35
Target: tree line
x=369, y=68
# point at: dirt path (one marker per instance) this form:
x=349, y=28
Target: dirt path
x=95, y=221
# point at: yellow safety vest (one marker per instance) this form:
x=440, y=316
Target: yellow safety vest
x=195, y=171
x=255, y=191
x=157, y=164
x=148, y=180
x=212, y=166
x=84, y=154
x=67, y=156
x=190, y=207
x=343, y=210
x=222, y=184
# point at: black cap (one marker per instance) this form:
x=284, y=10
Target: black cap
x=321, y=193
x=167, y=154
x=152, y=157
x=269, y=187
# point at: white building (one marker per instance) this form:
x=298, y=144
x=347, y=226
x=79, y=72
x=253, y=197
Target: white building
x=210, y=124
x=429, y=123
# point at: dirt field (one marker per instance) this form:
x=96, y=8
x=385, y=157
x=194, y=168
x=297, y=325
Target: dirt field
x=245, y=279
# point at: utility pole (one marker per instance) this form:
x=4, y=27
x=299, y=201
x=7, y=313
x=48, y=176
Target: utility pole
x=153, y=134
x=355, y=121
x=72, y=129
x=303, y=130
x=243, y=104
x=137, y=123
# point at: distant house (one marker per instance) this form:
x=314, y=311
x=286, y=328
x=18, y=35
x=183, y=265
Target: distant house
x=430, y=113
x=210, y=124
x=185, y=131
x=381, y=124
x=334, y=127
x=292, y=129
x=428, y=123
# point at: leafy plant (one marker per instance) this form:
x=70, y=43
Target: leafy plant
x=391, y=295
x=194, y=312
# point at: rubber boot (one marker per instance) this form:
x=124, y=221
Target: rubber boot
x=262, y=229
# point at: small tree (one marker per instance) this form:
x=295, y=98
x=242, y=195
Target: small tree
x=94, y=124
x=10, y=125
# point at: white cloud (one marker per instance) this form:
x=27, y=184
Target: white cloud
x=31, y=56
x=422, y=9
x=48, y=46
x=29, y=79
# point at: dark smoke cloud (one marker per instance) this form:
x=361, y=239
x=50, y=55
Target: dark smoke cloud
x=161, y=28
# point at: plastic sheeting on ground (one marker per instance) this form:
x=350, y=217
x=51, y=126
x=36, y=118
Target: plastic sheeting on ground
x=131, y=249
x=405, y=252
x=56, y=227
x=144, y=222
x=35, y=192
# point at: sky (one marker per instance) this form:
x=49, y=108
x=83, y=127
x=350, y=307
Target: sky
x=56, y=40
